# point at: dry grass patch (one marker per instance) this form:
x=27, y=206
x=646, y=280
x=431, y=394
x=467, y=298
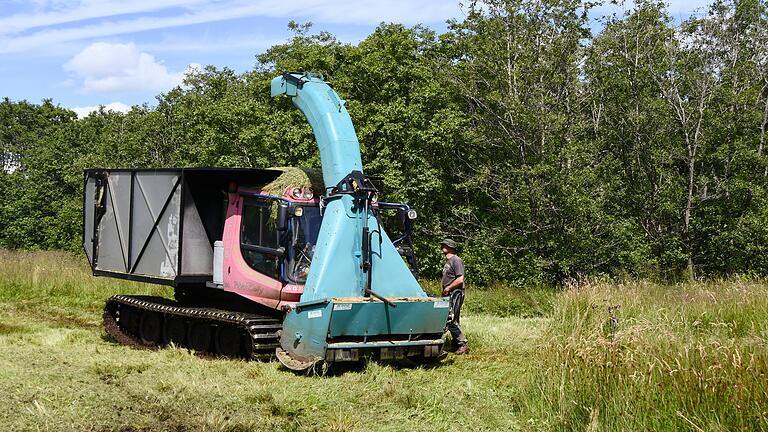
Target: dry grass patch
x=642, y=356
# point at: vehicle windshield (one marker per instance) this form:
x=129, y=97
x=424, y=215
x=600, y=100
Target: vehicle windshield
x=304, y=231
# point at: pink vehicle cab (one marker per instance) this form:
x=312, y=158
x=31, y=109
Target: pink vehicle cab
x=265, y=262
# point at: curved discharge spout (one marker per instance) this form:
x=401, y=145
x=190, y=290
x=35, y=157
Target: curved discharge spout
x=337, y=262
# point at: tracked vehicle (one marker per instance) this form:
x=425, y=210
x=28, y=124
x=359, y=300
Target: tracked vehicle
x=276, y=262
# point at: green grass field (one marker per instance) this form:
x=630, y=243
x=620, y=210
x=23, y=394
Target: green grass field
x=633, y=356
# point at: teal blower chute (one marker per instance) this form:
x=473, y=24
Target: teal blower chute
x=360, y=296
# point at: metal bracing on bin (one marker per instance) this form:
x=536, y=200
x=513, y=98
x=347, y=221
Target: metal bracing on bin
x=154, y=225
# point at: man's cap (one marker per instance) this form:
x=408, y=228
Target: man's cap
x=450, y=243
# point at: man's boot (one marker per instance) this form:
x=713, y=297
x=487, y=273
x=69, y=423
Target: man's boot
x=463, y=349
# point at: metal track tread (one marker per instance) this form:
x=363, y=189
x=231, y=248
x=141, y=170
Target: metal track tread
x=258, y=333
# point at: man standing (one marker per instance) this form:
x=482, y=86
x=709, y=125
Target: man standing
x=453, y=286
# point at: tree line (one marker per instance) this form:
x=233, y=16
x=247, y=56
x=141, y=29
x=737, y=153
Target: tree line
x=549, y=145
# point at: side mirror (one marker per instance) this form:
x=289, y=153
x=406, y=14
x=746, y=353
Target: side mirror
x=282, y=216
x=401, y=218
x=404, y=215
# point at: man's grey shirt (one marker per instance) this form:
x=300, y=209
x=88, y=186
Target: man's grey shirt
x=453, y=268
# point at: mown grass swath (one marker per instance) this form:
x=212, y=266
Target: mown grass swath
x=594, y=356
x=60, y=372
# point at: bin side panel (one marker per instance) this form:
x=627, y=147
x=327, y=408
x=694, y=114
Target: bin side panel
x=111, y=256
x=119, y=185
x=156, y=187
x=160, y=198
x=89, y=197
x=143, y=219
x=197, y=251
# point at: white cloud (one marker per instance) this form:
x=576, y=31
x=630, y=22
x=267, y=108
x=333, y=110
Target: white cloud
x=113, y=67
x=85, y=111
x=54, y=23
x=47, y=13
x=108, y=18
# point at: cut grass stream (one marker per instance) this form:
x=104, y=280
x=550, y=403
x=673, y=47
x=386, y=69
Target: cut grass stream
x=686, y=357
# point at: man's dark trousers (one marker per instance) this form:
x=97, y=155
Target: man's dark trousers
x=456, y=299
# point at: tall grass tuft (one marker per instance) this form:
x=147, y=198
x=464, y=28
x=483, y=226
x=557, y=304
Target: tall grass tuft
x=641, y=356
x=502, y=300
x=58, y=286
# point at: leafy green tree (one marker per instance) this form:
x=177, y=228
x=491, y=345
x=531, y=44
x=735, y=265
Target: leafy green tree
x=547, y=151
x=37, y=205
x=728, y=233
x=631, y=128
x=516, y=65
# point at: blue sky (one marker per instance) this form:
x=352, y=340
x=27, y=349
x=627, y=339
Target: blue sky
x=85, y=53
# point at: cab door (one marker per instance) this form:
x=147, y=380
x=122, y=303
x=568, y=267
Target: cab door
x=252, y=251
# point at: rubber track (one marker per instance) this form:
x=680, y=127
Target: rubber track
x=262, y=331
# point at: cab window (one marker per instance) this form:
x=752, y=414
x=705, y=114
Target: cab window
x=258, y=231
x=305, y=231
